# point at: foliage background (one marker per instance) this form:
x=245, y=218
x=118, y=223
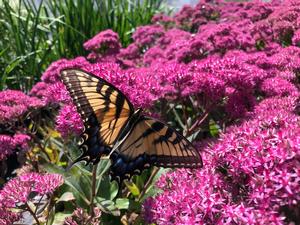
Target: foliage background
x=34, y=35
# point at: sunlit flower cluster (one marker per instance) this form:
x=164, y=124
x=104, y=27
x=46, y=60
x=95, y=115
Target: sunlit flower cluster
x=13, y=104
x=250, y=175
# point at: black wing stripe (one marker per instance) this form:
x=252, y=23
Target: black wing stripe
x=158, y=140
x=148, y=132
x=120, y=100
x=95, y=97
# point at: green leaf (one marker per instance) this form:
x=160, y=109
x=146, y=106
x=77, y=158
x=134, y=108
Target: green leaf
x=122, y=203
x=77, y=179
x=51, y=217
x=107, y=189
x=132, y=188
x=152, y=190
x=193, y=136
x=107, y=206
x=213, y=128
x=67, y=196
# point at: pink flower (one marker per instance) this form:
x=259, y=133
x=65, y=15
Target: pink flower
x=57, y=93
x=7, y=217
x=13, y=104
x=39, y=90
x=153, y=55
x=278, y=86
x=104, y=41
x=104, y=46
x=52, y=74
x=296, y=38
x=145, y=36
x=10, y=144
x=68, y=121
x=249, y=175
x=7, y=146
x=162, y=19
x=80, y=216
x=16, y=192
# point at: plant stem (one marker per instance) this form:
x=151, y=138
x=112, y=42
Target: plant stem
x=38, y=204
x=149, y=182
x=197, y=123
x=32, y=213
x=93, y=193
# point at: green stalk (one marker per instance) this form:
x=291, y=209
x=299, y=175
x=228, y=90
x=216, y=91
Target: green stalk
x=93, y=192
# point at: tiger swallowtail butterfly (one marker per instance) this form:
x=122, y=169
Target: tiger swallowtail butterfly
x=112, y=127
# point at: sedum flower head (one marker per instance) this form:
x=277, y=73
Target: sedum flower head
x=249, y=175
x=10, y=144
x=13, y=104
x=68, y=121
x=17, y=191
x=104, y=41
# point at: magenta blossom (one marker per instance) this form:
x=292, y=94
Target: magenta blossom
x=68, y=121
x=248, y=177
x=16, y=192
x=13, y=104
x=10, y=144
x=104, y=46
x=52, y=74
x=105, y=40
x=146, y=36
x=296, y=38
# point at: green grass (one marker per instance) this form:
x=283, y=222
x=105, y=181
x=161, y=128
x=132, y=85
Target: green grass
x=32, y=36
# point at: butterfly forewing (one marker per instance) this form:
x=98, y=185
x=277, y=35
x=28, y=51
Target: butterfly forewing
x=166, y=146
x=101, y=105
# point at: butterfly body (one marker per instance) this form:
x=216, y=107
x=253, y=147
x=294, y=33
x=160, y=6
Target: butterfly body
x=113, y=128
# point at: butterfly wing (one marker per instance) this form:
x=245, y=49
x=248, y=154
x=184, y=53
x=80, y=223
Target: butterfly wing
x=151, y=142
x=102, y=107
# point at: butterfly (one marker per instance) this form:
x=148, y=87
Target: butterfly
x=112, y=127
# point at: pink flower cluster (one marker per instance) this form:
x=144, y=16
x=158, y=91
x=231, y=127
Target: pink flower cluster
x=13, y=104
x=79, y=217
x=18, y=191
x=9, y=144
x=250, y=176
x=104, y=46
x=222, y=61
x=68, y=121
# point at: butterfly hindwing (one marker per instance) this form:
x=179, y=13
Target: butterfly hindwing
x=151, y=142
x=102, y=107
